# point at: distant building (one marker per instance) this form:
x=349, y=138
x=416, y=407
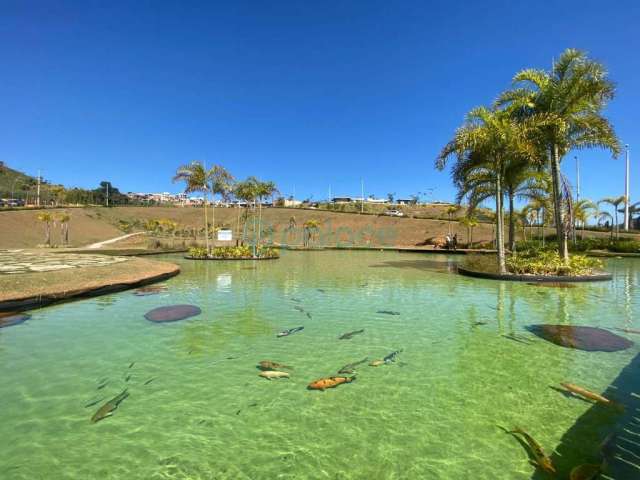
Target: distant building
x=291, y=202
x=342, y=200
x=405, y=201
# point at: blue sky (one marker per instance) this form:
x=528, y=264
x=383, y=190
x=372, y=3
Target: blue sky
x=308, y=94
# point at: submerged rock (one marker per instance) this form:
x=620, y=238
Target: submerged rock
x=172, y=313
x=590, y=339
x=8, y=320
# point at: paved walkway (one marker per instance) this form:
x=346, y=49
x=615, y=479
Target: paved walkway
x=112, y=240
x=25, y=261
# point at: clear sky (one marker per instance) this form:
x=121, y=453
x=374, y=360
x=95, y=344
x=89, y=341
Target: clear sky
x=308, y=94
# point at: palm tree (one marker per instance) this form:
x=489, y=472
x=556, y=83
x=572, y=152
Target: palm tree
x=64, y=218
x=564, y=107
x=487, y=140
x=263, y=190
x=451, y=211
x=46, y=218
x=469, y=221
x=615, y=202
x=245, y=191
x=582, y=211
x=220, y=183
x=521, y=181
x=197, y=179
x=311, y=227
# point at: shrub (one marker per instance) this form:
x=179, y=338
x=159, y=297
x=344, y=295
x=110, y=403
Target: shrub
x=198, y=252
x=547, y=262
x=625, y=246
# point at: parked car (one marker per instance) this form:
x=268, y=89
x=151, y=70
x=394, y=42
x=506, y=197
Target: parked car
x=394, y=213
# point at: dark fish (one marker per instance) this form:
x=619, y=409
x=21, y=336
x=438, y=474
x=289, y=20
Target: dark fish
x=108, y=408
x=128, y=377
x=388, y=312
x=541, y=458
x=477, y=324
x=351, y=367
x=349, y=335
x=102, y=385
x=391, y=357
x=149, y=381
x=132, y=364
x=321, y=290
x=286, y=333
x=295, y=299
x=299, y=308
x=238, y=412
x=93, y=402
x=309, y=315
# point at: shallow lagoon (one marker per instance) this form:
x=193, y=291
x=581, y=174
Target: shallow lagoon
x=434, y=413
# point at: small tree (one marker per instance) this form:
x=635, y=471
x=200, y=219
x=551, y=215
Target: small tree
x=46, y=218
x=311, y=228
x=64, y=218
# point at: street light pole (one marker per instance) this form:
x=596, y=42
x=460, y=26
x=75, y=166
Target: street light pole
x=577, y=179
x=626, y=191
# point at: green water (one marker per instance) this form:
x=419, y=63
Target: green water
x=433, y=414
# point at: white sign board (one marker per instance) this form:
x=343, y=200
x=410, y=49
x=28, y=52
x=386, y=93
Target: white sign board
x=225, y=235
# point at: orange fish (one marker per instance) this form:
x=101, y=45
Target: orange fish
x=330, y=382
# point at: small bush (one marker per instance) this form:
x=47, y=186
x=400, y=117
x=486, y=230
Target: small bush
x=198, y=252
x=625, y=246
x=545, y=262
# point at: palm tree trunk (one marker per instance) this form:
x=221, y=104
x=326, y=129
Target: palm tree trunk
x=471, y=237
x=254, y=227
x=557, y=205
x=213, y=218
x=500, y=225
x=260, y=222
x=512, y=223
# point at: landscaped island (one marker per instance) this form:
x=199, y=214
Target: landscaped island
x=241, y=252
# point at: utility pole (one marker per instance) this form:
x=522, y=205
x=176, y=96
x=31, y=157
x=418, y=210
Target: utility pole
x=38, y=200
x=107, y=194
x=626, y=191
x=330, y=194
x=577, y=179
x=362, y=192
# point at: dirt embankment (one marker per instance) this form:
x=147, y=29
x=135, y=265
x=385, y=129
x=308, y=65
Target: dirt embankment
x=21, y=229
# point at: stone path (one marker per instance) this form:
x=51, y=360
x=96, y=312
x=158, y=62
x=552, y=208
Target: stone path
x=24, y=261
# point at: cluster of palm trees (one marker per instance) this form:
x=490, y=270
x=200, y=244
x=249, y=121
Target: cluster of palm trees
x=51, y=221
x=217, y=181
x=513, y=149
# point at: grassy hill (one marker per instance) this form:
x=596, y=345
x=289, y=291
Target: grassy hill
x=13, y=179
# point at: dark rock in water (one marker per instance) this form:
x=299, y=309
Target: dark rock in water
x=172, y=313
x=590, y=339
x=13, y=319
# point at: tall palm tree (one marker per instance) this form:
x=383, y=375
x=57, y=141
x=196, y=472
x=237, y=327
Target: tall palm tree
x=220, y=183
x=197, y=179
x=243, y=191
x=615, y=202
x=565, y=108
x=487, y=140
